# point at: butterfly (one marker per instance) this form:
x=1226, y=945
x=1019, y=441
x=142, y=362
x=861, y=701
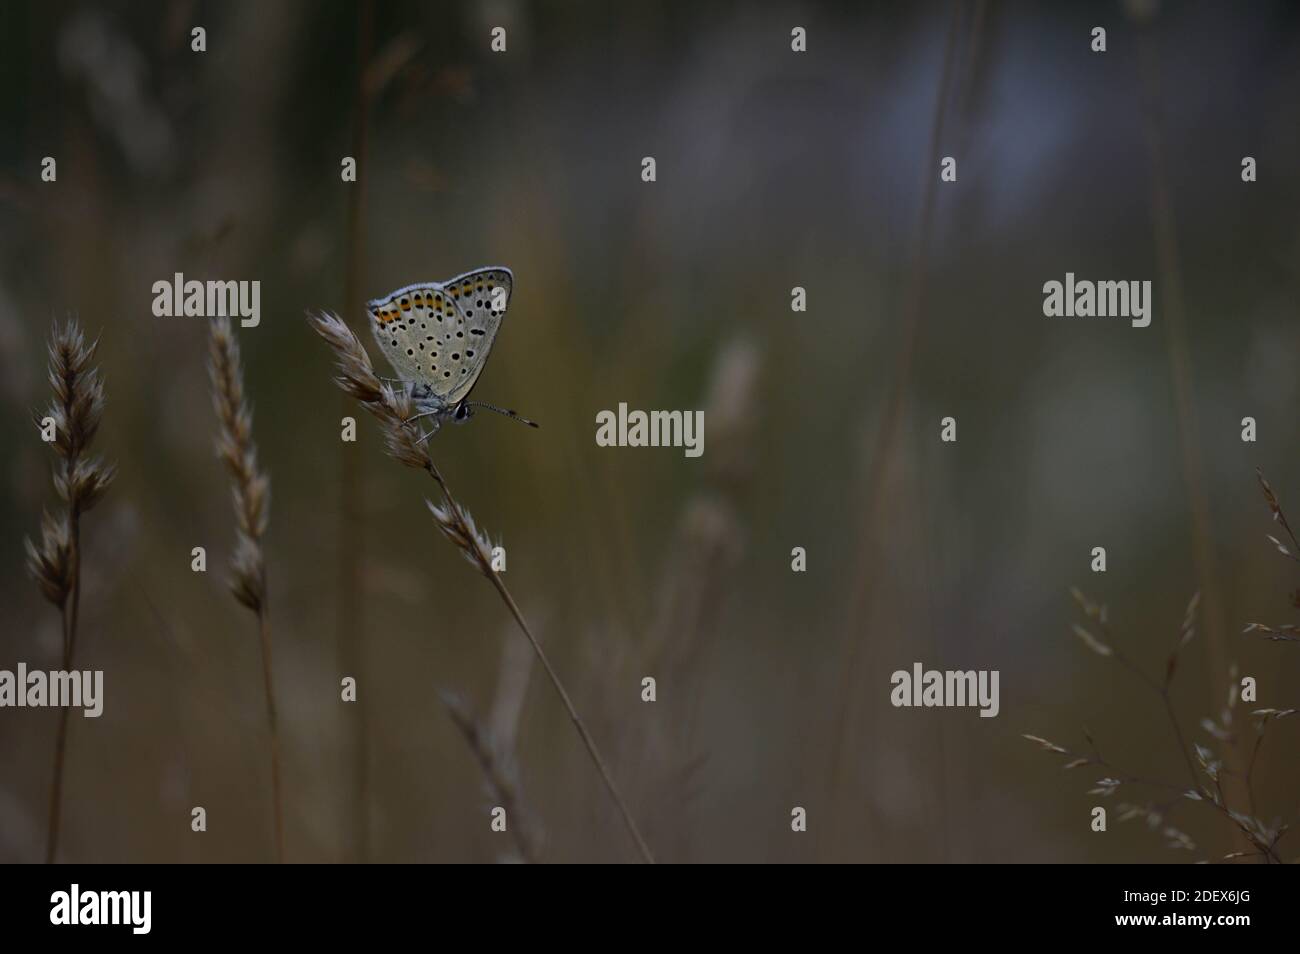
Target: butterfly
x=437, y=336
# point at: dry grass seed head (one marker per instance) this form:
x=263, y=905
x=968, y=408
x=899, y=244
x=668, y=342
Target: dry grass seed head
x=80, y=481
x=500, y=774
x=78, y=390
x=51, y=563
x=249, y=487
x=458, y=525
x=392, y=408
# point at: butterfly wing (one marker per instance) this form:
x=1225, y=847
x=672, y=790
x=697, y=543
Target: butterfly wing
x=478, y=302
x=440, y=334
x=409, y=326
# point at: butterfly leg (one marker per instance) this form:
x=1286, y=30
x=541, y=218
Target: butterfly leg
x=415, y=417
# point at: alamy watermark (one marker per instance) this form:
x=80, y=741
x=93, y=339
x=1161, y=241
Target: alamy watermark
x=75, y=906
x=1105, y=299
x=212, y=299
x=81, y=689
x=651, y=429
x=947, y=688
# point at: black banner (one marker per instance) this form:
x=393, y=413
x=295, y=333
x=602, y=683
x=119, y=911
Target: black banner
x=333, y=904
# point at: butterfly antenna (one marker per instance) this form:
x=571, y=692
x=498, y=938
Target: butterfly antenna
x=503, y=412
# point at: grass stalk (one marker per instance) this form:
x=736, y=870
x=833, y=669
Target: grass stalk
x=500, y=775
x=350, y=600
x=1180, y=363
x=887, y=442
x=252, y=492
x=394, y=409
x=80, y=482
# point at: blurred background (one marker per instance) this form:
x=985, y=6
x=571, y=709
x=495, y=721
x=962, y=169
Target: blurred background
x=774, y=170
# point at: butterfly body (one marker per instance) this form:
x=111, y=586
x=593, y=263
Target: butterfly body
x=437, y=336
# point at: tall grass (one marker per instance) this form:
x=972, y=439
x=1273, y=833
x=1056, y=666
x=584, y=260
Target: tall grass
x=1214, y=779
x=393, y=410
x=887, y=448
x=697, y=579
x=80, y=482
x=500, y=774
x=1174, y=312
x=252, y=492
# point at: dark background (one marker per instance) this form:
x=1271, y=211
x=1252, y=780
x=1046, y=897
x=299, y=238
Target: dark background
x=775, y=169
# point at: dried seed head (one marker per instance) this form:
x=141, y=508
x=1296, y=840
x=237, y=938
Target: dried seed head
x=51, y=564
x=78, y=390
x=732, y=396
x=1043, y=743
x=80, y=481
x=356, y=373
x=458, y=525
x=1275, y=507
x=1286, y=633
x=1091, y=641
x=250, y=488
x=1269, y=496
x=1105, y=787
x=83, y=482
x=393, y=409
x=248, y=574
x=1266, y=715
x=500, y=774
